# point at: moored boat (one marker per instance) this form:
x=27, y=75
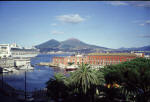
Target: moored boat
x=71, y=68
x=5, y=70
x=26, y=67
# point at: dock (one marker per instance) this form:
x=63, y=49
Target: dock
x=47, y=64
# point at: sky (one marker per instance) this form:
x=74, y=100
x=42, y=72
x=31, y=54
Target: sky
x=112, y=24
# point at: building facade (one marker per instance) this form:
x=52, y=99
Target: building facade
x=5, y=50
x=13, y=50
x=7, y=62
x=98, y=59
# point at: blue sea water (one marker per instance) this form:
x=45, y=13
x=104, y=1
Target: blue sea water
x=35, y=79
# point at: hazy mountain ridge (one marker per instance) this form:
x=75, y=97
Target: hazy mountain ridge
x=67, y=45
x=144, y=48
x=49, y=44
x=76, y=45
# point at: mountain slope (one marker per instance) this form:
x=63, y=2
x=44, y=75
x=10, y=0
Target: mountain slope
x=79, y=46
x=68, y=45
x=144, y=48
x=73, y=43
x=49, y=44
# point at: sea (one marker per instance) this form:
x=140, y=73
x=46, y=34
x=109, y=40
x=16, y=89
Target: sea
x=35, y=79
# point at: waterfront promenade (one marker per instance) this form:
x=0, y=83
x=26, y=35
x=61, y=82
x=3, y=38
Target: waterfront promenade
x=10, y=94
x=7, y=93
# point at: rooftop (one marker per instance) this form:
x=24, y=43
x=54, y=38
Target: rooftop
x=113, y=54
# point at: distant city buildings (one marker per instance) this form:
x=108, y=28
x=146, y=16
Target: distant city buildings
x=97, y=59
x=13, y=50
x=5, y=50
x=12, y=56
x=7, y=62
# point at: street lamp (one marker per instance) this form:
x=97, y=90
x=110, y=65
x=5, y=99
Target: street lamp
x=25, y=85
x=2, y=77
x=26, y=82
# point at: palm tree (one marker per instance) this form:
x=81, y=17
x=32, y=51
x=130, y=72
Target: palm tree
x=56, y=87
x=84, y=80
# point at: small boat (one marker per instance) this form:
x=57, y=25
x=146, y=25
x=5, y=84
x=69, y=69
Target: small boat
x=71, y=68
x=9, y=69
x=32, y=65
x=26, y=67
x=14, y=70
x=5, y=70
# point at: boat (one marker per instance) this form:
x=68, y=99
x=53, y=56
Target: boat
x=15, y=70
x=71, y=68
x=27, y=67
x=5, y=70
x=8, y=69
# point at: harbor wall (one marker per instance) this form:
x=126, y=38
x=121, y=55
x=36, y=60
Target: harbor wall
x=7, y=62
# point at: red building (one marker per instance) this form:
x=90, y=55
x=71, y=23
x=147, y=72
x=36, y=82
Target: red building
x=101, y=59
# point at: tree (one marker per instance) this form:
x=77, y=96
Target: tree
x=84, y=81
x=133, y=77
x=70, y=63
x=57, y=88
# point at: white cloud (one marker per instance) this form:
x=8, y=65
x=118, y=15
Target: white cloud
x=71, y=18
x=53, y=24
x=145, y=36
x=142, y=24
x=57, y=32
x=147, y=22
x=132, y=3
x=139, y=3
x=118, y=3
x=137, y=21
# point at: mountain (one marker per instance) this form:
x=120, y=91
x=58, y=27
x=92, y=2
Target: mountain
x=71, y=44
x=144, y=48
x=49, y=44
x=75, y=45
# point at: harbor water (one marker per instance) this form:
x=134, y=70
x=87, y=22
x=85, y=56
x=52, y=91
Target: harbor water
x=35, y=79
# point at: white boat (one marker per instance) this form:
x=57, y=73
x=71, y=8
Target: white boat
x=15, y=70
x=71, y=68
x=24, y=55
x=9, y=69
x=26, y=67
x=30, y=67
x=5, y=70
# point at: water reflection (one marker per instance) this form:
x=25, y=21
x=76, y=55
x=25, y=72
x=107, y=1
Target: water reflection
x=36, y=78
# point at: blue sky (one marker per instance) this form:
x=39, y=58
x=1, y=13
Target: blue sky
x=103, y=23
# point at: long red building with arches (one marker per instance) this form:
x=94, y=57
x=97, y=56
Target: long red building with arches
x=101, y=59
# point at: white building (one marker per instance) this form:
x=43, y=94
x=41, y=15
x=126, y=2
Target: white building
x=14, y=45
x=7, y=62
x=13, y=50
x=5, y=50
x=147, y=56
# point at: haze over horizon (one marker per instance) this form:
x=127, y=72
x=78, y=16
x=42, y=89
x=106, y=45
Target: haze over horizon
x=111, y=24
